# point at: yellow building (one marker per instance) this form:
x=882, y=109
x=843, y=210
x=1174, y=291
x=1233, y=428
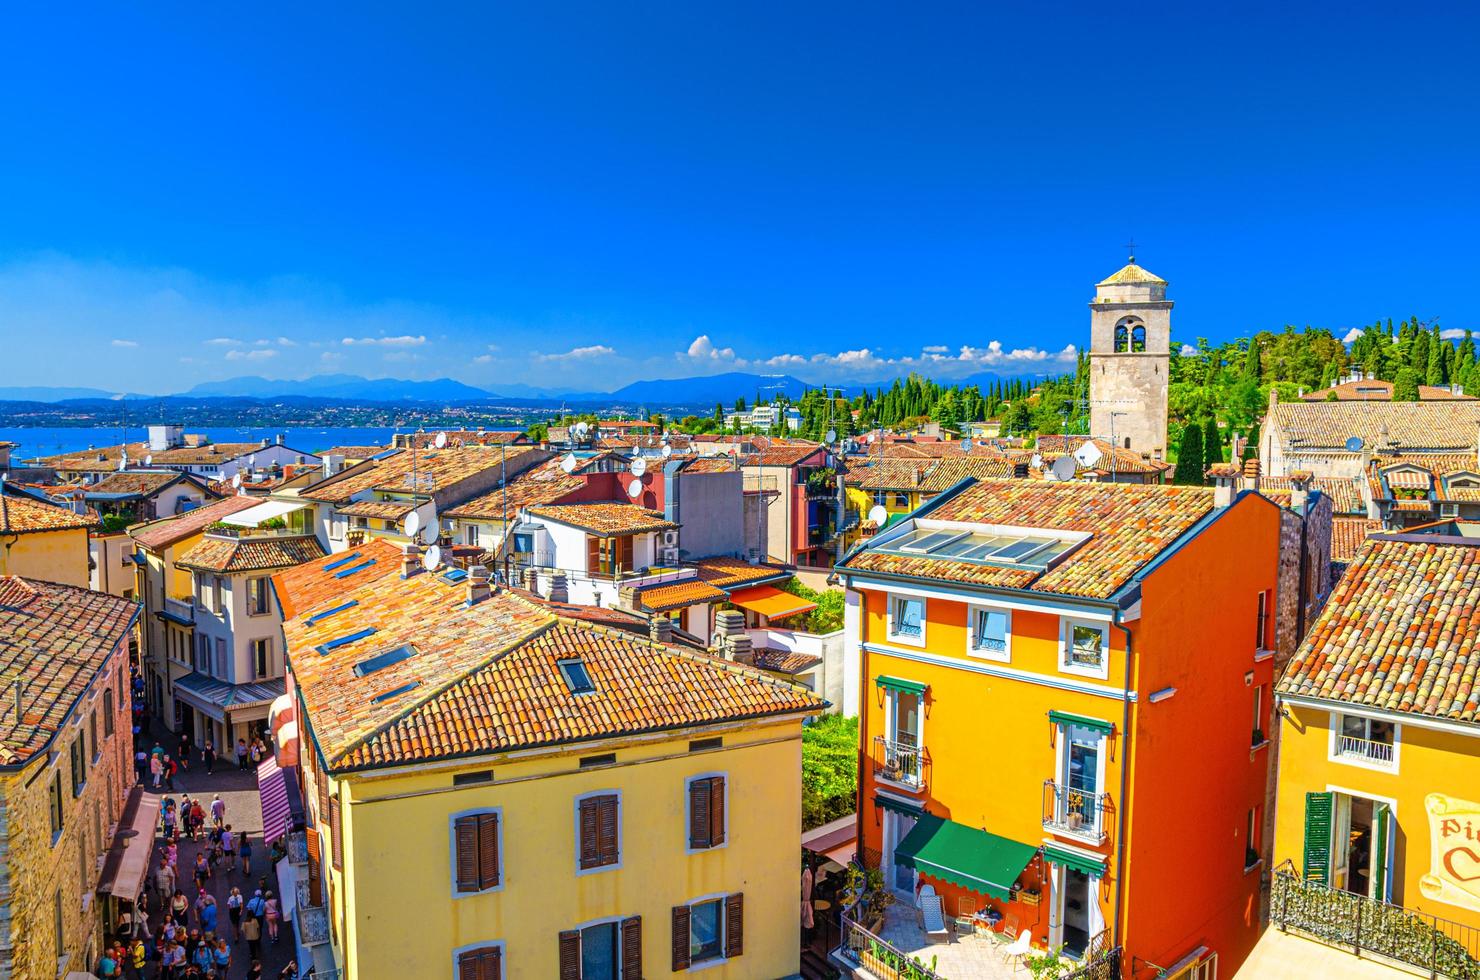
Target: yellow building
x=65, y=771
x=497, y=791
x=43, y=541
x=1377, y=841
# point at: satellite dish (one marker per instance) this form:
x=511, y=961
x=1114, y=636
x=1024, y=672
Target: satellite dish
x=1088, y=455
x=1064, y=468
x=832, y=434
x=432, y=560
x=440, y=441
x=967, y=446
x=634, y=489
x=1354, y=444
x=236, y=480
x=667, y=451
x=411, y=524
x=580, y=429
x=878, y=515
x=569, y=463
x=638, y=467
x=149, y=460
x=1037, y=462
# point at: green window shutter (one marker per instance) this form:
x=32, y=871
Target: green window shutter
x=1319, y=809
x=1382, y=820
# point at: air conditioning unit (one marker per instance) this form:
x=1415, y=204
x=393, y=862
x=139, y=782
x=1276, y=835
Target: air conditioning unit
x=670, y=539
x=669, y=556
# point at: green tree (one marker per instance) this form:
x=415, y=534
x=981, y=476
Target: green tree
x=719, y=412
x=1212, y=442
x=829, y=769
x=1251, y=360
x=1190, y=456
x=1405, y=385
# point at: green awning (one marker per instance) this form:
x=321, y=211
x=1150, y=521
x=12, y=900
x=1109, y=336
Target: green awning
x=1064, y=718
x=899, y=684
x=901, y=807
x=964, y=856
x=1074, y=861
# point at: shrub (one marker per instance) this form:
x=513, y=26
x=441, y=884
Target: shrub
x=829, y=769
x=826, y=618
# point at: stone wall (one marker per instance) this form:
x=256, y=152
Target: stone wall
x=1134, y=388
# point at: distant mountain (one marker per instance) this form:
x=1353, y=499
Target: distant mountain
x=41, y=393
x=711, y=388
x=346, y=386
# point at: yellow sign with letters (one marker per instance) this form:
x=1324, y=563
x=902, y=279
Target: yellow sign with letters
x=1454, y=862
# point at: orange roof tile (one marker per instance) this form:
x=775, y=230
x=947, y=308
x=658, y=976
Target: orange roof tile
x=168, y=530
x=1347, y=535
x=675, y=595
x=726, y=573
x=250, y=554
x=22, y=515
x=605, y=518
x=385, y=510
x=542, y=484
x=437, y=468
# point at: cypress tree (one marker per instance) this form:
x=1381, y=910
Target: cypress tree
x=1190, y=456
x=1434, y=369
x=1251, y=360
x=1405, y=385
x=1212, y=442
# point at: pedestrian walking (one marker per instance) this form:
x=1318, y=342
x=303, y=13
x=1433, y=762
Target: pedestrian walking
x=164, y=879
x=257, y=751
x=197, y=819
x=156, y=768
x=138, y=956
x=228, y=845
x=141, y=765
x=180, y=907
x=246, y=855
x=222, y=958
x=252, y=932
x=169, y=773
x=241, y=753
x=208, y=753
x=208, y=913
x=218, y=809
x=272, y=914
x=234, y=912
x=185, y=751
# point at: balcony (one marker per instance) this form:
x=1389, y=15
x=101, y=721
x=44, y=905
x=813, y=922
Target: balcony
x=1365, y=749
x=1075, y=813
x=180, y=609
x=902, y=763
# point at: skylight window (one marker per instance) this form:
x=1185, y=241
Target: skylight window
x=395, y=692
x=340, y=641
x=338, y=562
x=576, y=677
x=1026, y=548
x=346, y=573
x=454, y=576
x=932, y=541
x=320, y=616
x=383, y=660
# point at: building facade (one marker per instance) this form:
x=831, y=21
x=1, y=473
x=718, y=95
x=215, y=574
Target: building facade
x=1130, y=360
x=42, y=540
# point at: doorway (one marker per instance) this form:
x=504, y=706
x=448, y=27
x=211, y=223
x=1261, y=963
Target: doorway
x=1076, y=900
x=900, y=879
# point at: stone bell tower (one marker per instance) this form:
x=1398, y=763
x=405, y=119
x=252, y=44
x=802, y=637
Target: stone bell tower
x=1130, y=356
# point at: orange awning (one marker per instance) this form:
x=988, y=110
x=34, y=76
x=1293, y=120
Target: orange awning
x=769, y=602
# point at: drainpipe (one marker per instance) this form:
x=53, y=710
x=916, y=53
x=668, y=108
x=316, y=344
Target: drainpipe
x=1125, y=772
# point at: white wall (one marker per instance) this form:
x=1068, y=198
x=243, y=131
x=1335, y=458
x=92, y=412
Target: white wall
x=852, y=651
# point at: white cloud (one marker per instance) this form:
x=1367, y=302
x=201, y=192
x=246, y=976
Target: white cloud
x=260, y=354
x=483, y=359
x=404, y=340
x=1352, y=335
x=1187, y=351
x=225, y=341
x=287, y=342
x=703, y=349
x=331, y=357
x=125, y=343
x=493, y=348
x=1453, y=333
x=579, y=353
x=935, y=349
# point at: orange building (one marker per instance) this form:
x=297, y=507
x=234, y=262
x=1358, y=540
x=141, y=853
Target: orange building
x=1066, y=695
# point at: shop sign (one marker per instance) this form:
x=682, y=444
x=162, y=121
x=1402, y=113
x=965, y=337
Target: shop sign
x=1454, y=859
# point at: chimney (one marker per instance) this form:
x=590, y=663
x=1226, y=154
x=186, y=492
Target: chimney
x=1251, y=474
x=1299, y=489
x=729, y=629
x=531, y=577
x=333, y=464
x=264, y=442
x=478, y=588
x=558, y=590
x=1274, y=397
x=410, y=559
x=660, y=628
x=280, y=439
x=1225, y=481
x=627, y=598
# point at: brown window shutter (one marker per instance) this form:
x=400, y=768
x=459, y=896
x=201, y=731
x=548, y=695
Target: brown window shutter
x=321, y=784
x=734, y=925
x=716, y=811
x=699, y=814
x=466, y=831
x=470, y=965
x=315, y=871
x=680, y=937
x=590, y=854
x=608, y=839
x=570, y=955
x=336, y=838
x=626, y=552
x=593, y=554
x=632, y=948
x=488, y=866
x=490, y=964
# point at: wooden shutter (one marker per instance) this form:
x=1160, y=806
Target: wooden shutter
x=625, y=552
x=465, y=832
x=699, y=814
x=608, y=840
x=488, y=858
x=593, y=554
x=680, y=938
x=484, y=963
x=716, y=811
x=1382, y=816
x=321, y=784
x=468, y=965
x=336, y=835
x=1318, y=814
x=632, y=948
x=734, y=925
x=315, y=870
x=590, y=853
x=570, y=955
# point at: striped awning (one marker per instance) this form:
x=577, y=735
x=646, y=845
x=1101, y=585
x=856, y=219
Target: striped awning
x=282, y=806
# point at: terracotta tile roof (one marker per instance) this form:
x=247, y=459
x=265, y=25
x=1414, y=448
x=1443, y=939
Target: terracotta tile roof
x=543, y=484
x=386, y=510
x=1348, y=533
x=949, y=472
x=312, y=589
x=215, y=452
x=250, y=554
x=55, y=638
x=891, y=474
x=727, y=573
x=23, y=515
x=1225, y=470
x=605, y=518
x=102, y=459
x=1376, y=391
x=438, y=468
x=675, y=595
x=465, y=437
x=1443, y=426
x=783, y=456
x=355, y=452
x=1399, y=632
x=138, y=482
x=710, y=464
x=1345, y=492
x=486, y=678
x=1129, y=525
x=166, y=531
x=783, y=661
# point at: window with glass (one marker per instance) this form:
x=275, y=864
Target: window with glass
x=1085, y=646
x=989, y=631
x=470, y=535
x=1367, y=739
x=902, y=752
x=257, y=596
x=901, y=499
x=599, y=953
x=218, y=594
x=1081, y=775
x=262, y=657
x=706, y=931
x=907, y=618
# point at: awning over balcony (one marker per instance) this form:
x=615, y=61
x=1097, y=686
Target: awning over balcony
x=899, y=684
x=965, y=856
x=1089, y=864
x=282, y=805
x=128, y=859
x=903, y=807
x=769, y=602
x=265, y=511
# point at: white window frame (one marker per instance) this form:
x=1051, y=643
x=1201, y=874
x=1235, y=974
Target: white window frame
x=1066, y=634
x=721, y=959
x=503, y=863
x=576, y=823
x=891, y=718
x=972, y=649
x=688, y=813
x=1333, y=747
x=1061, y=779
x=612, y=920
x=896, y=597
x=259, y=584
x=470, y=535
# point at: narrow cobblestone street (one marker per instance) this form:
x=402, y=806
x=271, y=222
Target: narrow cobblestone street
x=238, y=790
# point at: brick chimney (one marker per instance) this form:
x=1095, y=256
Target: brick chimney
x=1251, y=474
x=478, y=588
x=1300, y=489
x=1225, y=478
x=410, y=559
x=730, y=639
x=660, y=628
x=559, y=592
x=531, y=577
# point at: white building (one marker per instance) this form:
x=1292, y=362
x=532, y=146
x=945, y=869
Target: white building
x=765, y=418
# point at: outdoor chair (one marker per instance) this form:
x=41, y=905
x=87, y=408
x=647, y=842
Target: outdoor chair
x=965, y=916
x=1009, y=929
x=1018, y=949
x=933, y=918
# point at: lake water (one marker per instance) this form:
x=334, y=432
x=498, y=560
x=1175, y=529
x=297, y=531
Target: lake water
x=51, y=441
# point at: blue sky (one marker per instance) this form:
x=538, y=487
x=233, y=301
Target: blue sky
x=584, y=195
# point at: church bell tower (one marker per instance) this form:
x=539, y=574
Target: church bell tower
x=1130, y=357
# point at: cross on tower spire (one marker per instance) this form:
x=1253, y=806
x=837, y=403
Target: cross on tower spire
x=1130, y=247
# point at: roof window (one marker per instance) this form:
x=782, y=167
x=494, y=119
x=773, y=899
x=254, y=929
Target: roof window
x=576, y=677
x=320, y=616
x=338, y=562
x=340, y=641
x=1020, y=547
x=346, y=573
x=383, y=660
x=395, y=692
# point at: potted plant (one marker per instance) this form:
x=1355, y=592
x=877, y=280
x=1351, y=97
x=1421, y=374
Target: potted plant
x=864, y=893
